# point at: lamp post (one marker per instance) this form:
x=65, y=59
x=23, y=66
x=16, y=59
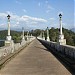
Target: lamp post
x=60, y=20
x=23, y=34
x=9, y=41
x=48, y=34
x=27, y=35
x=8, y=37
x=23, y=38
x=61, y=41
x=43, y=35
x=61, y=36
x=8, y=25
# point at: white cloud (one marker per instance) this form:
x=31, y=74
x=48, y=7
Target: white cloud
x=74, y=14
x=20, y=21
x=3, y=15
x=17, y=23
x=28, y=18
x=74, y=20
x=49, y=8
x=47, y=11
x=65, y=25
x=52, y=18
x=3, y=25
x=39, y=4
x=46, y=2
x=34, y=23
x=18, y=2
x=52, y=22
x=12, y=16
x=24, y=10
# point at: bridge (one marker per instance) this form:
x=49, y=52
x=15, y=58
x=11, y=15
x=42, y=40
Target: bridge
x=35, y=59
x=37, y=56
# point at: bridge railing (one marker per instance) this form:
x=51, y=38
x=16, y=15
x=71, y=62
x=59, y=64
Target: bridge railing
x=64, y=49
x=7, y=50
x=4, y=51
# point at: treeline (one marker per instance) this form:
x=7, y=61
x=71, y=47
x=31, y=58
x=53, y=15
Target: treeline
x=54, y=35
x=68, y=35
x=16, y=36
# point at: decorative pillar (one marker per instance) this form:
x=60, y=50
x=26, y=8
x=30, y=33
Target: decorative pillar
x=9, y=41
x=23, y=38
x=8, y=37
x=61, y=40
x=23, y=34
x=8, y=25
x=27, y=35
x=60, y=21
x=48, y=34
x=31, y=35
x=43, y=35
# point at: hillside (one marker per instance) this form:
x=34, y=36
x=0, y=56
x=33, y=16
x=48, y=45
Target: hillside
x=54, y=33
x=68, y=34
x=15, y=35
x=73, y=29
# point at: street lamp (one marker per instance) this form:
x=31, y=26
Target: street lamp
x=60, y=20
x=8, y=17
x=9, y=41
x=8, y=37
x=60, y=15
x=23, y=34
x=62, y=41
x=48, y=34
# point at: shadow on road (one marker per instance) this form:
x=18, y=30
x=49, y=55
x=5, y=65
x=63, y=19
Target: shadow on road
x=70, y=69
x=40, y=48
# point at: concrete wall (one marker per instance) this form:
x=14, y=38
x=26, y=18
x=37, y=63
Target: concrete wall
x=6, y=50
x=65, y=49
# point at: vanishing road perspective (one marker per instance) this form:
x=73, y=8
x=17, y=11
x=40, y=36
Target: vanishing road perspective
x=34, y=60
x=37, y=37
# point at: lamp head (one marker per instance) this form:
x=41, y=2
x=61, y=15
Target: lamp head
x=60, y=15
x=8, y=16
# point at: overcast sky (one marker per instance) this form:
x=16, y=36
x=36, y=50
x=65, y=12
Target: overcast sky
x=33, y=14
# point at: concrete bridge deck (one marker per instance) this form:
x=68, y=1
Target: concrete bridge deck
x=34, y=60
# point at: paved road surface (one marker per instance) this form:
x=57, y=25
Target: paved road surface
x=34, y=60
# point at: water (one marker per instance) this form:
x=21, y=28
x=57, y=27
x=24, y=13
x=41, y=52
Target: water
x=2, y=43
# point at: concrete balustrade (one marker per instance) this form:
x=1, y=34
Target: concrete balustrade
x=65, y=49
x=17, y=46
x=10, y=47
x=6, y=50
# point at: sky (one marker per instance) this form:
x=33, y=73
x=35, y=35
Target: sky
x=37, y=14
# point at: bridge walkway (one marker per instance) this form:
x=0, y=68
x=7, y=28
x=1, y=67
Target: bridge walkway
x=34, y=60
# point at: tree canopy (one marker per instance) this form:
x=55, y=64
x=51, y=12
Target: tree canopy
x=53, y=35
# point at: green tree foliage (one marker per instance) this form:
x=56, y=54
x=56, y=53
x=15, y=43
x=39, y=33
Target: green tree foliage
x=69, y=36
x=54, y=35
x=3, y=34
x=73, y=37
x=36, y=32
x=16, y=36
